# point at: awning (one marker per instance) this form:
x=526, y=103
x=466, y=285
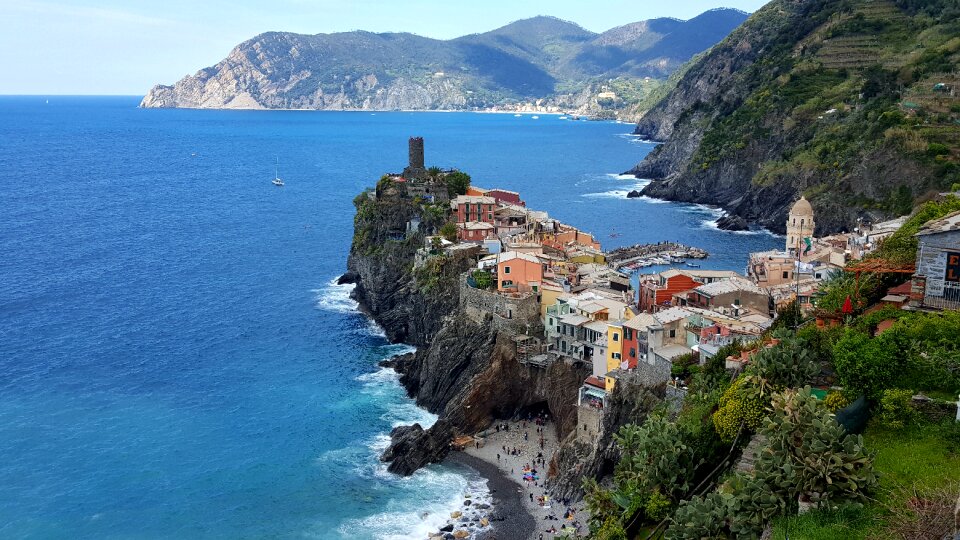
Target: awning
x=599, y=394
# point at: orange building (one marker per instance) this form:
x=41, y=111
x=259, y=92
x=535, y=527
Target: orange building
x=518, y=272
x=657, y=292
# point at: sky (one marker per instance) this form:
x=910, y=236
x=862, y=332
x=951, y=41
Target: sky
x=116, y=47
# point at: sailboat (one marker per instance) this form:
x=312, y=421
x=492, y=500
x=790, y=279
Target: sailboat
x=277, y=181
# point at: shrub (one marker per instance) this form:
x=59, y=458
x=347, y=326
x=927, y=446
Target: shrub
x=742, y=403
x=483, y=279
x=449, y=231
x=836, y=401
x=789, y=364
x=895, y=408
x=864, y=365
x=457, y=183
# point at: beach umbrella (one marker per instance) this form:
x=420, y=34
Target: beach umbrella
x=847, y=306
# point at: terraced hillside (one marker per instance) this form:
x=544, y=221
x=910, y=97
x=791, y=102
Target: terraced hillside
x=853, y=103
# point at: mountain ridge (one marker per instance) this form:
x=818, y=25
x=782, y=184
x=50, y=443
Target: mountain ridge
x=541, y=58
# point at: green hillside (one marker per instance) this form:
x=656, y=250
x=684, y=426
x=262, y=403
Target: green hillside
x=853, y=103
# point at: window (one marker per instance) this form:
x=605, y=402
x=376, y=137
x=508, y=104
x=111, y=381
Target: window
x=786, y=275
x=616, y=336
x=506, y=269
x=673, y=333
x=616, y=356
x=736, y=301
x=801, y=222
x=633, y=352
x=490, y=217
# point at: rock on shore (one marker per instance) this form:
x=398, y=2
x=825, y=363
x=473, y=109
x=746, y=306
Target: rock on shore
x=412, y=447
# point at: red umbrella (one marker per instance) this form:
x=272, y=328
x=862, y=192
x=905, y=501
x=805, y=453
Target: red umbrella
x=847, y=306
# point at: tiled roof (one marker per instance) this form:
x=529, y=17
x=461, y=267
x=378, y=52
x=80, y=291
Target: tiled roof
x=949, y=222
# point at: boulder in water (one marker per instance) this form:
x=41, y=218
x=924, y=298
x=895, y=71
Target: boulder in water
x=633, y=194
x=733, y=223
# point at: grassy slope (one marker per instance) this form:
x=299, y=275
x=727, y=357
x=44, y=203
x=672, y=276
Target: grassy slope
x=916, y=458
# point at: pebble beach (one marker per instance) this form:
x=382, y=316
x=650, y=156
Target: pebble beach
x=523, y=507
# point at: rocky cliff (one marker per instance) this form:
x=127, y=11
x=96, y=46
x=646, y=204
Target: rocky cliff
x=542, y=58
x=850, y=102
x=630, y=403
x=465, y=371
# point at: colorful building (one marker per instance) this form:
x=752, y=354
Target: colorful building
x=468, y=208
x=518, y=272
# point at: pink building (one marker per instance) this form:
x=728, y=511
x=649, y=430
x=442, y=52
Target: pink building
x=518, y=272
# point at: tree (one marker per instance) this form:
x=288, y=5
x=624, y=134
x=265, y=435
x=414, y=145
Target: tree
x=457, y=183
x=449, y=231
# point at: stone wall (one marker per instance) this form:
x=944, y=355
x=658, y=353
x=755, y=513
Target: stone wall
x=514, y=314
x=589, y=424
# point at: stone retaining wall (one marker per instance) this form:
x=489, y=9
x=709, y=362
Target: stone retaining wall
x=515, y=314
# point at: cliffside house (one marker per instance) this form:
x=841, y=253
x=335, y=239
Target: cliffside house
x=518, y=272
x=657, y=291
x=936, y=281
x=476, y=231
x=731, y=293
x=466, y=208
x=502, y=196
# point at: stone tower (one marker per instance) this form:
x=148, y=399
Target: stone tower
x=415, y=168
x=799, y=225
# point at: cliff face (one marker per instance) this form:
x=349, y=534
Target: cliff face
x=525, y=60
x=833, y=99
x=464, y=370
x=628, y=404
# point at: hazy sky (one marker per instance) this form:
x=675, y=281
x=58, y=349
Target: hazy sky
x=125, y=47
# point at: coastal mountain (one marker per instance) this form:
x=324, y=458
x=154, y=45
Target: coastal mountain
x=542, y=58
x=852, y=103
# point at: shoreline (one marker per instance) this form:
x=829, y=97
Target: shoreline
x=550, y=518
x=509, y=518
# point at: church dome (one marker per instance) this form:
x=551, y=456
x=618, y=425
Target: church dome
x=801, y=208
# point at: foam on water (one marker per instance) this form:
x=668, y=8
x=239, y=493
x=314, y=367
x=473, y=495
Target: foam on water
x=336, y=297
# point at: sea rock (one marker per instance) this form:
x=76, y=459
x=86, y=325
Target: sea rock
x=455, y=515
x=733, y=223
x=467, y=502
x=347, y=278
x=412, y=447
x=461, y=534
x=448, y=527
x=484, y=522
x=633, y=194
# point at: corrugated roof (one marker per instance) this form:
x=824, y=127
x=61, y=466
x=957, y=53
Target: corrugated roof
x=573, y=319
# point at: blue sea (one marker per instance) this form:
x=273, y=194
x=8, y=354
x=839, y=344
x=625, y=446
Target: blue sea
x=175, y=360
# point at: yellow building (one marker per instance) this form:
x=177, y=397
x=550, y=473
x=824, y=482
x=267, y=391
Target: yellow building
x=614, y=351
x=549, y=293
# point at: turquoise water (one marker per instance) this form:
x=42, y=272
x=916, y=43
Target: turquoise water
x=175, y=360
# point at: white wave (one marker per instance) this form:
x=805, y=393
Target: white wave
x=375, y=329
x=652, y=200
x=615, y=194
x=335, y=297
x=409, y=413
x=712, y=225
x=437, y=492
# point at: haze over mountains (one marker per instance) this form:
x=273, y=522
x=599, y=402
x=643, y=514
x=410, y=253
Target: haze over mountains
x=531, y=59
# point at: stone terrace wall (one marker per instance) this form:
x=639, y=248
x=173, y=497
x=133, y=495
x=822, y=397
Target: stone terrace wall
x=515, y=314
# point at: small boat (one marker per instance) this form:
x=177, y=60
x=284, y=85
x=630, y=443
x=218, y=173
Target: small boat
x=276, y=180
x=517, y=115
x=535, y=117
x=691, y=265
x=563, y=118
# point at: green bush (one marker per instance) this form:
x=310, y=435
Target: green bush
x=789, y=364
x=864, y=365
x=836, y=401
x=457, y=183
x=449, y=231
x=742, y=403
x=895, y=408
x=483, y=279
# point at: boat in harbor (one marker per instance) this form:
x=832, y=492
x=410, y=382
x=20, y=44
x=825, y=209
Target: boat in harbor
x=276, y=180
x=692, y=265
